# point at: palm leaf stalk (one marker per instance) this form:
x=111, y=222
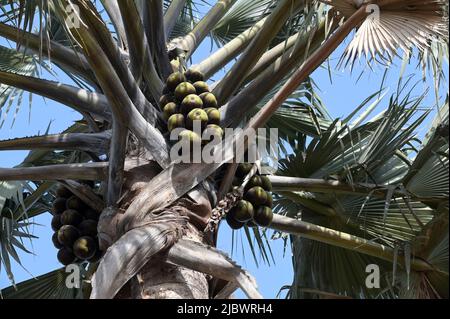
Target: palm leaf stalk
x=172, y=14
x=68, y=58
x=221, y=57
x=97, y=143
x=79, y=99
x=314, y=61
x=343, y=240
x=272, y=25
x=190, y=42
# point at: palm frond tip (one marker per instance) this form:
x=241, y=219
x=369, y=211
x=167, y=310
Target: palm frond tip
x=392, y=25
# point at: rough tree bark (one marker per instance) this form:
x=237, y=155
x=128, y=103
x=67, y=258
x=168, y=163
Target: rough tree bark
x=158, y=279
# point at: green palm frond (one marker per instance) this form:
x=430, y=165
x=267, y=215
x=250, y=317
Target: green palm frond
x=394, y=25
x=15, y=62
x=243, y=15
x=47, y=286
x=303, y=113
x=13, y=233
x=428, y=176
x=371, y=152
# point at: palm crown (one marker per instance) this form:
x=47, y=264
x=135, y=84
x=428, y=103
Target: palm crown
x=350, y=192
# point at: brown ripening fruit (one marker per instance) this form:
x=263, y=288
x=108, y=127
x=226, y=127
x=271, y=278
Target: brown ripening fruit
x=190, y=103
x=263, y=216
x=196, y=115
x=170, y=109
x=56, y=242
x=243, y=169
x=63, y=192
x=256, y=195
x=71, y=217
x=85, y=247
x=59, y=206
x=165, y=99
x=266, y=183
x=56, y=222
x=243, y=211
x=88, y=227
x=66, y=257
x=201, y=87
x=184, y=89
x=174, y=80
x=209, y=100
x=175, y=121
x=75, y=203
x=232, y=222
x=194, y=75
x=213, y=115
x=67, y=235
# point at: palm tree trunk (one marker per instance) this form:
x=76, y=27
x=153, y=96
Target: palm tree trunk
x=159, y=280
x=160, y=277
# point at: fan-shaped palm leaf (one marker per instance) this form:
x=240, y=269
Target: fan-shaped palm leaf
x=393, y=25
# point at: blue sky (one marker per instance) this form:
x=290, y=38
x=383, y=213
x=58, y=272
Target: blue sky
x=341, y=96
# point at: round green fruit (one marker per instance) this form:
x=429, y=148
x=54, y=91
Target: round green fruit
x=175, y=121
x=263, y=216
x=59, y=206
x=89, y=213
x=213, y=115
x=63, y=192
x=243, y=169
x=75, y=203
x=190, y=103
x=233, y=223
x=166, y=99
x=209, y=100
x=197, y=115
x=67, y=235
x=174, y=80
x=269, y=201
x=170, y=109
x=201, y=87
x=71, y=217
x=66, y=257
x=266, y=183
x=85, y=247
x=255, y=180
x=88, y=227
x=184, y=89
x=243, y=211
x=213, y=131
x=189, y=136
x=256, y=195
x=56, y=242
x=194, y=75
x=56, y=222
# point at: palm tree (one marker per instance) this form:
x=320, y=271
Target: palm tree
x=350, y=193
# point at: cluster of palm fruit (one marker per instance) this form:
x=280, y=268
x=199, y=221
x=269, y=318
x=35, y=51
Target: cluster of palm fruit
x=255, y=209
x=186, y=99
x=75, y=227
